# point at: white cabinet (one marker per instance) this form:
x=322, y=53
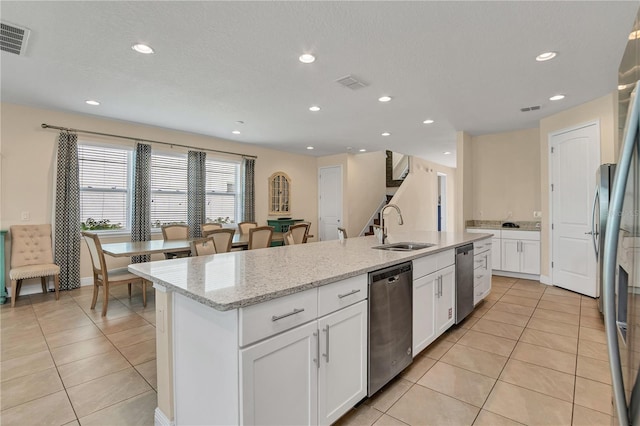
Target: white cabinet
x=521, y=251
x=482, y=264
x=496, y=256
x=424, y=305
x=446, y=300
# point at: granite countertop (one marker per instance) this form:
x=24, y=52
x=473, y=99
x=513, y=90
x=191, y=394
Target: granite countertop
x=232, y=280
x=497, y=224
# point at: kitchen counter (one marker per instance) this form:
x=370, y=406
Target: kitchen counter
x=497, y=224
x=238, y=279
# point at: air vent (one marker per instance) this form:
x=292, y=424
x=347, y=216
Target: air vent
x=531, y=108
x=351, y=82
x=13, y=39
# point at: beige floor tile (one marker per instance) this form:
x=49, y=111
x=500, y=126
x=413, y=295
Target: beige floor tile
x=583, y=416
x=593, y=335
x=70, y=312
x=455, y=333
x=593, y=395
x=591, y=322
x=593, y=350
x=563, y=300
x=560, y=307
x=111, y=326
x=115, y=310
x=105, y=391
x=488, y=342
x=61, y=324
x=54, y=410
x=73, y=423
x=494, y=296
x=475, y=360
x=437, y=349
x=499, y=329
x=420, y=365
x=550, y=340
x=468, y=322
x=25, y=365
x=591, y=302
x=506, y=317
x=557, y=291
x=467, y=386
x=523, y=293
x=487, y=418
x=514, y=309
x=150, y=317
x=84, y=349
x=73, y=336
x=389, y=394
x=540, y=379
x=554, y=327
x=496, y=282
x=562, y=317
x=505, y=280
x=587, y=311
x=385, y=420
x=528, y=285
x=86, y=369
x=15, y=348
x=140, y=352
x=528, y=407
x=132, y=336
x=138, y=410
x=421, y=406
x=149, y=371
x=27, y=388
x=594, y=369
x=518, y=300
x=545, y=357
x=363, y=415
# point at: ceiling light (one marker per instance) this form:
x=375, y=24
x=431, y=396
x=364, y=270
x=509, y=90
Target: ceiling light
x=92, y=102
x=386, y=134
x=362, y=150
x=142, y=48
x=634, y=35
x=384, y=98
x=622, y=86
x=447, y=153
x=428, y=121
x=546, y=56
x=236, y=132
x=309, y=147
x=239, y=122
x=307, y=58
x=556, y=97
x=314, y=108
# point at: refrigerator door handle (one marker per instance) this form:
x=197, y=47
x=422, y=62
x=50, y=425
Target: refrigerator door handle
x=610, y=255
x=594, y=231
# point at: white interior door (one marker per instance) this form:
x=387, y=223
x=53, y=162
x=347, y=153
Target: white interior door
x=329, y=202
x=574, y=158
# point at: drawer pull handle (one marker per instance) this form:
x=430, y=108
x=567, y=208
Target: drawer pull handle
x=479, y=260
x=478, y=276
x=340, y=296
x=279, y=317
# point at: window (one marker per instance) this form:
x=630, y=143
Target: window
x=223, y=186
x=168, y=189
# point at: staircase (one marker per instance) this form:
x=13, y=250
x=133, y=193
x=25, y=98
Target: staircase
x=376, y=221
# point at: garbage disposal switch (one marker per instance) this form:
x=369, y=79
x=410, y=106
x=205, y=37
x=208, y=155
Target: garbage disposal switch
x=464, y=282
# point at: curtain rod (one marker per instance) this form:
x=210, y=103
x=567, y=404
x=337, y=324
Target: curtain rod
x=67, y=129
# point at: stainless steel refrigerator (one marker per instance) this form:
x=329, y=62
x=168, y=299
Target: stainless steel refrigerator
x=604, y=180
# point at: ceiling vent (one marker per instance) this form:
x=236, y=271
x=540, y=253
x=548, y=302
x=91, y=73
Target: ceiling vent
x=351, y=82
x=13, y=39
x=531, y=108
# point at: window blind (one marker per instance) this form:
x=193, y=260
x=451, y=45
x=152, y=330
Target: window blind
x=168, y=189
x=222, y=189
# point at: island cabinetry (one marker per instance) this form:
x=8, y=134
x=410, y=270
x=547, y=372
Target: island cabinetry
x=482, y=262
x=521, y=251
x=433, y=297
x=496, y=245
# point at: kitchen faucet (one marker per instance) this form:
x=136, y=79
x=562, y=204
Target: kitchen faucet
x=384, y=229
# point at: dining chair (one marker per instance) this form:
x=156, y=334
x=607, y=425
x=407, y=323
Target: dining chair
x=206, y=228
x=288, y=238
x=244, y=227
x=105, y=278
x=175, y=232
x=32, y=257
x=299, y=232
x=260, y=237
x=342, y=233
x=222, y=239
x=203, y=247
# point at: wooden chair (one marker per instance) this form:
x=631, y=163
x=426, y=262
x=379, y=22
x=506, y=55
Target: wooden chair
x=222, y=239
x=175, y=232
x=203, y=247
x=260, y=237
x=342, y=233
x=288, y=238
x=299, y=232
x=32, y=257
x=244, y=227
x=107, y=278
x=206, y=228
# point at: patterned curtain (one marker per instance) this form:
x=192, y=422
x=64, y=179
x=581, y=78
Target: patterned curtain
x=249, y=208
x=141, y=212
x=196, y=192
x=67, y=212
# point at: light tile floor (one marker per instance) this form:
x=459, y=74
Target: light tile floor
x=529, y=354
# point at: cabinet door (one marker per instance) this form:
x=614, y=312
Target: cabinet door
x=424, y=308
x=510, y=255
x=446, y=301
x=279, y=382
x=342, y=380
x=495, y=253
x=530, y=257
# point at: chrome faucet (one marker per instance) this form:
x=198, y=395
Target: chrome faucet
x=384, y=229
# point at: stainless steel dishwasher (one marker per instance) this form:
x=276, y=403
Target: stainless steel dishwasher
x=464, y=281
x=390, y=324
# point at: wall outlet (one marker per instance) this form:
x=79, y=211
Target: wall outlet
x=25, y=216
x=537, y=214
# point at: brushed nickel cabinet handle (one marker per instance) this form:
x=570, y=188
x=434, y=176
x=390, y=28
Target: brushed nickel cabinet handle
x=326, y=355
x=340, y=296
x=279, y=317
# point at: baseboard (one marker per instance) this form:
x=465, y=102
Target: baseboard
x=161, y=419
x=516, y=275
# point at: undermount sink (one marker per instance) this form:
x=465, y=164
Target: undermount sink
x=404, y=246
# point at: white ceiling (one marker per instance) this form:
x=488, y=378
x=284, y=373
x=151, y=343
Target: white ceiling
x=467, y=65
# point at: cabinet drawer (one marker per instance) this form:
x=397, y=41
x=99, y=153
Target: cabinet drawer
x=332, y=297
x=482, y=246
x=480, y=262
x=478, y=276
x=277, y=315
x=431, y=263
x=521, y=235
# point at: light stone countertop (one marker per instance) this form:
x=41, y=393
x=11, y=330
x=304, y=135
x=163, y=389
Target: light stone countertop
x=242, y=278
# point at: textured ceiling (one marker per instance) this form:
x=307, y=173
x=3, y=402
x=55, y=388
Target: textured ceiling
x=467, y=65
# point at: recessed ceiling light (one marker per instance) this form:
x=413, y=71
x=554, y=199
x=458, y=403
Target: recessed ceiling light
x=142, y=48
x=362, y=150
x=236, y=132
x=309, y=147
x=307, y=58
x=447, y=153
x=384, y=98
x=634, y=35
x=92, y=102
x=546, y=56
x=428, y=121
x=386, y=134
x=622, y=86
x=314, y=108
x=556, y=97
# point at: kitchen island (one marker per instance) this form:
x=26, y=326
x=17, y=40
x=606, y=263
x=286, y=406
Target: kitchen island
x=221, y=319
